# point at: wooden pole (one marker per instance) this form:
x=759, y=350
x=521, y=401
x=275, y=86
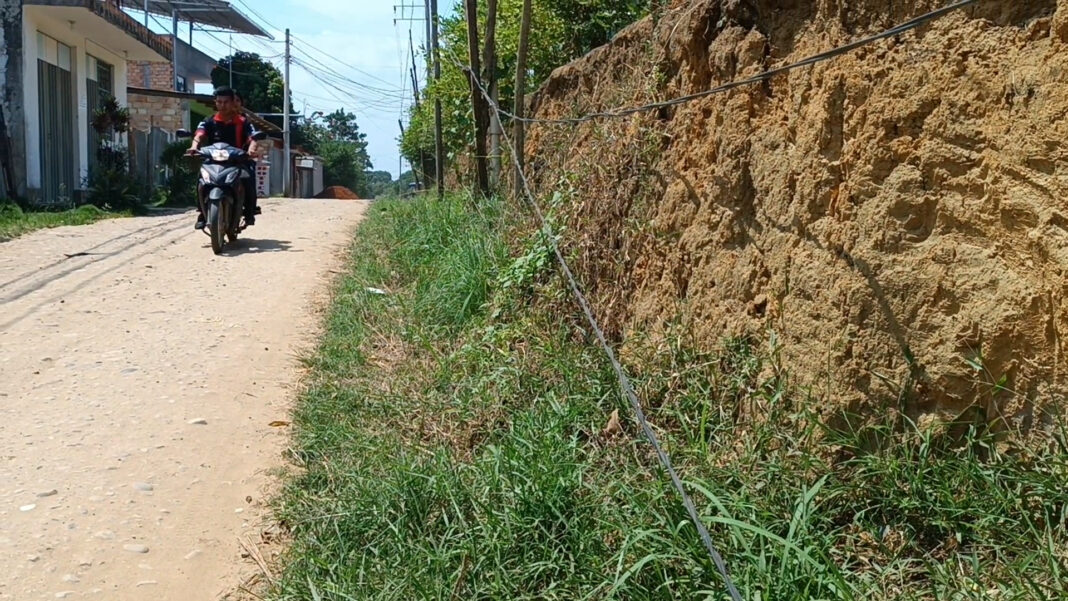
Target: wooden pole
x=477, y=101
x=520, y=96
x=415, y=172
x=415, y=76
x=490, y=63
x=439, y=142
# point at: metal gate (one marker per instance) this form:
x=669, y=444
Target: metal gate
x=56, y=86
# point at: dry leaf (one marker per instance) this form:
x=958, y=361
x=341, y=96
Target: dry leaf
x=613, y=426
x=278, y=424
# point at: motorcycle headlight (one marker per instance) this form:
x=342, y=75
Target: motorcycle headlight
x=232, y=177
x=204, y=175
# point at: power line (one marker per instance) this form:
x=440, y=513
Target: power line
x=259, y=16
x=346, y=65
x=359, y=84
x=350, y=88
x=383, y=104
x=390, y=95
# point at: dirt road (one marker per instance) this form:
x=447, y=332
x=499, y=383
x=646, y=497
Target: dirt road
x=139, y=376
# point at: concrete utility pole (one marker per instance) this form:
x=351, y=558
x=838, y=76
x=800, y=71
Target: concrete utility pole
x=174, y=46
x=520, y=97
x=439, y=143
x=287, y=171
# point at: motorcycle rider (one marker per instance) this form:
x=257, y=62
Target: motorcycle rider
x=228, y=125
x=241, y=109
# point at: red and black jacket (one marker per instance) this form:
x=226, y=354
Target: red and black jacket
x=236, y=132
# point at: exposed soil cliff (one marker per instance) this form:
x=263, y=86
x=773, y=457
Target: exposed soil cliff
x=897, y=216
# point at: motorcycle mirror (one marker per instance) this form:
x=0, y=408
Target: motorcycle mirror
x=260, y=135
x=183, y=133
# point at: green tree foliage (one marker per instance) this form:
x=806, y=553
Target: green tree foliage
x=336, y=138
x=380, y=183
x=562, y=30
x=260, y=83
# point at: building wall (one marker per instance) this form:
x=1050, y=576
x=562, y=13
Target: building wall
x=147, y=112
x=11, y=92
x=155, y=76
x=37, y=20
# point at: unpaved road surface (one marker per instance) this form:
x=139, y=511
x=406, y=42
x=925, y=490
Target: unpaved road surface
x=139, y=377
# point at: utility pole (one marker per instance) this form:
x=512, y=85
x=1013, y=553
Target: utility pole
x=231, y=61
x=491, y=86
x=174, y=46
x=415, y=96
x=415, y=72
x=287, y=171
x=415, y=172
x=520, y=97
x=477, y=101
x=439, y=144
x=429, y=24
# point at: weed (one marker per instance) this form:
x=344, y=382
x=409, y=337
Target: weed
x=451, y=445
x=15, y=222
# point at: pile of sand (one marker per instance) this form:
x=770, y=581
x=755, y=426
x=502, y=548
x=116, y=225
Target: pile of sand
x=339, y=193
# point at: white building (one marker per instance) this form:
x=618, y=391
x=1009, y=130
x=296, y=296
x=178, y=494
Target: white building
x=58, y=60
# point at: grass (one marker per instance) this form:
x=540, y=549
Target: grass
x=14, y=222
x=449, y=445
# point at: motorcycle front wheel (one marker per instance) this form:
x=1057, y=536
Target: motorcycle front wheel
x=217, y=223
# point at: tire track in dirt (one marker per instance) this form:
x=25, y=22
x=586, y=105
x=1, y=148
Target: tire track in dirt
x=137, y=385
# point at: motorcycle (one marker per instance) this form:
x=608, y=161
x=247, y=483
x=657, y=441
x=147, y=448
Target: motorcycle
x=224, y=173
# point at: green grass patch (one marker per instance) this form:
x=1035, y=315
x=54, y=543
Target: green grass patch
x=15, y=222
x=451, y=445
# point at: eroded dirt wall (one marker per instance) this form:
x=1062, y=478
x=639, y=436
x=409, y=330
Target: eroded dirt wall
x=896, y=216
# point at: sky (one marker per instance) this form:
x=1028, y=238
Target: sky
x=350, y=54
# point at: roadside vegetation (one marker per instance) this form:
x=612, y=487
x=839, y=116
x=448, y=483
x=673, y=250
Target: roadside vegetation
x=456, y=440
x=15, y=222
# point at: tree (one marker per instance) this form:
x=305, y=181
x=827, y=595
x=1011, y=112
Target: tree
x=336, y=138
x=260, y=83
x=342, y=126
x=566, y=29
x=379, y=183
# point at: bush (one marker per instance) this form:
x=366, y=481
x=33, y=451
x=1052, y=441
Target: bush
x=181, y=185
x=111, y=186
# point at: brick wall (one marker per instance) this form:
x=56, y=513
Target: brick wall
x=155, y=76
x=147, y=112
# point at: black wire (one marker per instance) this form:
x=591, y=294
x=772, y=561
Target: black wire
x=624, y=382
x=817, y=58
